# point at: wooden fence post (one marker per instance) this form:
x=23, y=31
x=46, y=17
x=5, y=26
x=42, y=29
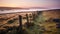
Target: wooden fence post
x=20, y=25
x=27, y=18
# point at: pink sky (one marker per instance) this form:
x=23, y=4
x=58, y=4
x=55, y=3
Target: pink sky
x=30, y=3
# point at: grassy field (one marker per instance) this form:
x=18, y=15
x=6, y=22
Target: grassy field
x=40, y=22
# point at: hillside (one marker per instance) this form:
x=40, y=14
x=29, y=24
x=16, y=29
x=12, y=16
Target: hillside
x=43, y=19
x=9, y=8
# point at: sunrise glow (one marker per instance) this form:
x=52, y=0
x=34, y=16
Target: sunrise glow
x=30, y=3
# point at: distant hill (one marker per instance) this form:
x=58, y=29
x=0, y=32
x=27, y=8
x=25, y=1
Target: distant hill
x=9, y=8
x=37, y=8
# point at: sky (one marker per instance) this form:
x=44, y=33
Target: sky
x=30, y=3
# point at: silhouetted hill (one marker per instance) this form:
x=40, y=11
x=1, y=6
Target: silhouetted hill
x=37, y=7
x=9, y=8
